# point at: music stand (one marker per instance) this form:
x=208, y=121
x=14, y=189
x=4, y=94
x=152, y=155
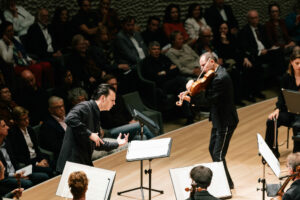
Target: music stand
x=143, y=120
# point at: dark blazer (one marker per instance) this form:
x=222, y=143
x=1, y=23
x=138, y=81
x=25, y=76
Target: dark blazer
x=19, y=145
x=36, y=43
x=203, y=195
x=51, y=136
x=12, y=157
x=220, y=94
x=125, y=51
x=248, y=43
x=82, y=120
x=214, y=19
x=293, y=193
x=272, y=33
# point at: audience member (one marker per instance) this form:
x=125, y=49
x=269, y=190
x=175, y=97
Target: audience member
x=194, y=21
x=77, y=95
x=201, y=178
x=281, y=114
x=292, y=21
x=154, y=32
x=25, y=144
x=33, y=98
x=86, y=21
x=78, y=184
x=6, y=105
x=108, y=17
x=19, y=17
x=172, y=22
x=218, y=13
x=13, y=52
x=54, y=128
x=183, y=56
x=276, y=30
x=118, y=119
x=205, y=41
x=8, y=159
x=60, y=28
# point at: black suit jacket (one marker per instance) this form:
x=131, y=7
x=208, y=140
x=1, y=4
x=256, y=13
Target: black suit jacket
x=248, y=42
x=51, y=136
x=203, y=195
x=214, y=19
x=220, y=94
x=12, y=157
x=36, y=42
x=82, y=120
x=293, y=193
x=19, y=145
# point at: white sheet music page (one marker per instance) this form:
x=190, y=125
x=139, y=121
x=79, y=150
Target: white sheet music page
x=219, y=186
x=147, y=149
x=27, y=170
x=100, y=181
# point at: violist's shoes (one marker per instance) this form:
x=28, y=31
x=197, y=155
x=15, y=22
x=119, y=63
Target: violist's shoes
x=240, y=103
x=189, y=121
x=250, y=98
x=260, y=95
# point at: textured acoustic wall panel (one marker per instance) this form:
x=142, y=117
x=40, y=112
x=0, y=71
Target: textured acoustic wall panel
x=142, y=9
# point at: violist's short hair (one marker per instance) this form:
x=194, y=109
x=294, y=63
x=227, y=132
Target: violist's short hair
x=202, y=176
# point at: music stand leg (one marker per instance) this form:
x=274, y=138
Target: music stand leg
x=149, y=171
x=263, y=181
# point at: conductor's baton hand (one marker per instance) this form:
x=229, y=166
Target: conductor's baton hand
x=94, y=137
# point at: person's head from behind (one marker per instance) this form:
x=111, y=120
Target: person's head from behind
x=7, y=30
x=195, y=11
x=293, y=163
x=77, y=95
x=56, y=107
x=208, y=61
x=153, y=24
x=5, y=94
x=128, y=24
x=176, y=39
x=294, y=65
x=172, y=14
x=105, y=97
x=201, y=176
x=43, y=16
x=29, y=78
x=154, y=49
x=111, y=80
x=20, y=117
x=253, y=18
x=78, y=184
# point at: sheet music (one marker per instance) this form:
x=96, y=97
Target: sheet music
x=27, y=170
x=268, y=155
x=147, y=149
x=219, y=185
x=100, y=181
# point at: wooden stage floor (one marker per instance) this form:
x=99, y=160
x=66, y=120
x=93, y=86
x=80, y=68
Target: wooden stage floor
x=190, y=146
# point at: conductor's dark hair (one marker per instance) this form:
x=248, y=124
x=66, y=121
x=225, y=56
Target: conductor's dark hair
x=102, y=89
x=202, y=176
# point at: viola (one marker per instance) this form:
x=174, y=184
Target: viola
x=193, y=189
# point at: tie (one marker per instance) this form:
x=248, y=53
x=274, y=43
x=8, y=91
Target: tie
x=258, y=35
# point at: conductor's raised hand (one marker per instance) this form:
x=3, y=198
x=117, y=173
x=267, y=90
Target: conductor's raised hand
x=94, y=137
x=123, y=141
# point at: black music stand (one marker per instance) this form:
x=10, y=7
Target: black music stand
x=143, y=120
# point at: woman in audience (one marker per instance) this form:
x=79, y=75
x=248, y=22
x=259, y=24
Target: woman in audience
x=172, y=21
x=78, y=184
x=6, y=105
x=194, y=21
x=13, y=52
x=61, y=29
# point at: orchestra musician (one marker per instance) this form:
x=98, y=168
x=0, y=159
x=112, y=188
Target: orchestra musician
x=291, y=80
x=223, y=114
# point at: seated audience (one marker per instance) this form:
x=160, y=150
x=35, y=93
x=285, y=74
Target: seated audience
x=172, y=22
x=205, y=41
x=19, y=17
x=13, y=52
x=183, y=56
x=8, y=159
x=33, y=98
x=194, y=21
x=60, y=28
x=53, y=129
x=109, y=18
x=154, y=32
x=218, y=13
x=292, y=21
x=78, y=184
x=6, y=105
x=281, y=114
x=25, y=144
x=76, y=95
x=201, y=178
x=118, y=119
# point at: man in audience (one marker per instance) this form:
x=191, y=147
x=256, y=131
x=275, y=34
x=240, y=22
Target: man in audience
x=6, y=105
x=8, y=159
x=76, y=95
x=54, y=128
x=20, y=18
x=118, y=119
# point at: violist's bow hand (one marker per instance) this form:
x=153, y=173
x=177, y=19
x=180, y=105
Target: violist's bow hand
x=274, y=115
